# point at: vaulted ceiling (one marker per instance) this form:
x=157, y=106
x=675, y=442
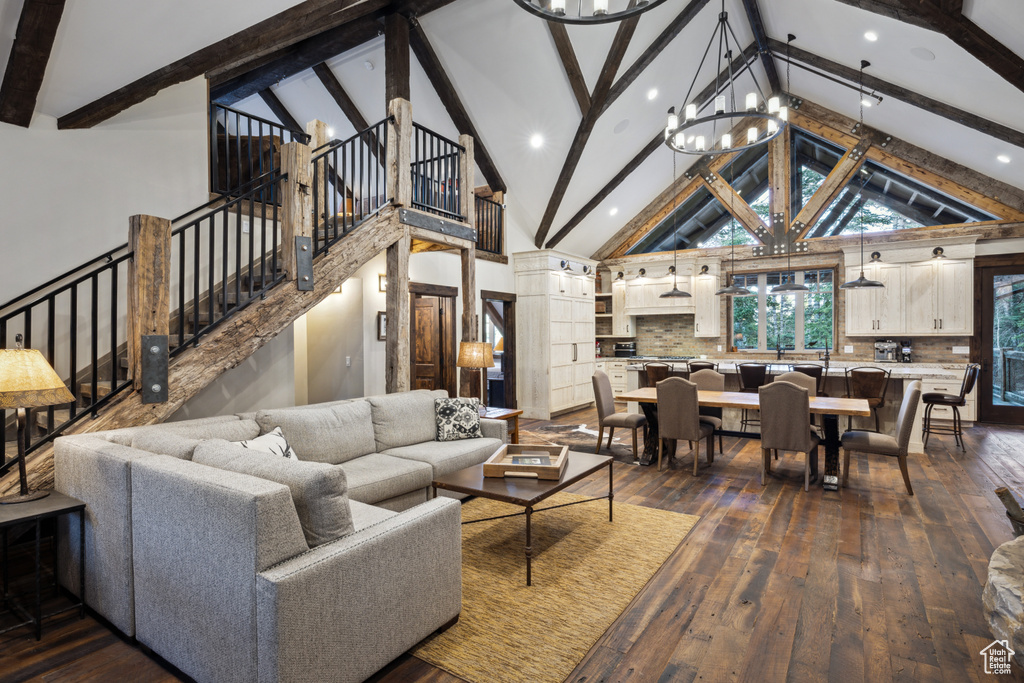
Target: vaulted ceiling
x=505, y=67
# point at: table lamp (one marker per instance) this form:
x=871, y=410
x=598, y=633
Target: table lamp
x=27, y=381
x=477, y=355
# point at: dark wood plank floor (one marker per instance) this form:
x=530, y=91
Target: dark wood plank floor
x=772, y=584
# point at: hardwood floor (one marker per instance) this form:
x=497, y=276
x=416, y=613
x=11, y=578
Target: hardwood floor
x=772, y=584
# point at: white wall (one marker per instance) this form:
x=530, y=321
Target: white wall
x=334, y=345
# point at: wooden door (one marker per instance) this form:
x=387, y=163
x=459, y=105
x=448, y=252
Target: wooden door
x=1001, y=384
x=426, y=337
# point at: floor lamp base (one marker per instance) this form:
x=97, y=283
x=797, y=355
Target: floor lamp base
x=16, y=498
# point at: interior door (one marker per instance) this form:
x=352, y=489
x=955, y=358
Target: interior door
x=426, y=336
x=1001, y=385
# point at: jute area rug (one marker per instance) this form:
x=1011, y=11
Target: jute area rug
x=585, y=572
x=582, y=437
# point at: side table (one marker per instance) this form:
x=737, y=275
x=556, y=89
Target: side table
x=510, y=415
x=51, y=507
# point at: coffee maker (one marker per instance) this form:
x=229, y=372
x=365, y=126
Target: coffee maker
x=886, y=351
x=905, y=351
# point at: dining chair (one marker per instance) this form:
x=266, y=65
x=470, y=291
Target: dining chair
x=883, y=444
x=954, y=401
x=693, y=366
x=607, y=417
x=752, y=376
x=815, y=371
x=786, y=426
x=868, y=383
x=656, y=372
x=709, y=380
x=678, y=419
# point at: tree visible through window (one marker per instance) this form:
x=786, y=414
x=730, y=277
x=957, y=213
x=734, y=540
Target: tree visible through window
x=791, y=322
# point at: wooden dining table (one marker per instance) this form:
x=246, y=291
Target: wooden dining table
x=829, y=407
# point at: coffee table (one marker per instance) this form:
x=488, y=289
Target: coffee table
x=527, y=492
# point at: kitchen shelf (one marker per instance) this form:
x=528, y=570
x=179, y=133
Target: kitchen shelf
x=602, y=315
x=602, y=295
x=615, y=336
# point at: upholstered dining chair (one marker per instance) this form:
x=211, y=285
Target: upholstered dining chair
x=883, y=444
x=954, y=401
x=815, y=371
x=678, y=418
x=801, y=380
x=786, y=426
x=709, y=380
x=868, y=383
x=698, y=365
x=607, y=417
x=656, y=372
x=752, y=376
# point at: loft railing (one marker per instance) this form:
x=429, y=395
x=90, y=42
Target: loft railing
x=244, y=147
x=224, y=259
x=349, y=184
x=490, y=225
x=436, y=174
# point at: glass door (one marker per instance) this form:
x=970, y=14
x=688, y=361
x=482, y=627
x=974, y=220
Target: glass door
x=1001, y=390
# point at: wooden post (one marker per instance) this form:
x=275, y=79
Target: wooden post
x=469, y=380
x=317, y=132
x=399, y=166
x=398, y=364
x=149, y=286
x=297, y=204
x=396, y=58
x=499, y=197
x=779, y=179
x=467, y=168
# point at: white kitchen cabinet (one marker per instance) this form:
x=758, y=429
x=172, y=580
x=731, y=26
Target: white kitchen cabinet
x=707, y=319
x=555, y=337
x=876, y=311
x=941, y=296
x=643, y=294
x=622, y=325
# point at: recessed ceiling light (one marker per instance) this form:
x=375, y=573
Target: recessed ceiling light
x=368, y=64
x=330, y=132
x=1003, y=158
x=536, y=141
x=865, y=101
x=871, y=35
x=614, y=210
x=652, y=93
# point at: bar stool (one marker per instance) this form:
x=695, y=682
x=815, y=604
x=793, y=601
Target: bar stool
x=954, y=401
x=815, y=371
x=752, y=377
x=867, y=383
x=693, y=366
x=656, y=372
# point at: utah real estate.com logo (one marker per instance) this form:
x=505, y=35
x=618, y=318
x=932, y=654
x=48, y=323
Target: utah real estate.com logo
x=997, y=657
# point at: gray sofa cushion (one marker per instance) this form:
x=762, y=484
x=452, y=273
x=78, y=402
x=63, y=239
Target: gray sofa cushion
x=227, y=427
x=165, y=443
x=446, y=457
x=318, y=489
x=404, y=419
x=333, y=434
x=364, y=515
x=375, y=477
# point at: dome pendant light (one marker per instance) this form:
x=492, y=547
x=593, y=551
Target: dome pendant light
x=675, y=292
x=862, y=282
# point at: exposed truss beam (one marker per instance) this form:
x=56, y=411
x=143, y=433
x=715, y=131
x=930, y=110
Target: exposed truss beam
x=739, y=64
x=761, y=38
x=341, y=98
x=453, y=104
x=571, y=65
x=23, y=78
x=586, y=127
x=280, y=111
x=835, y=182
x=964, y=118
x=736, y=205
x=397, y=63
x=890, y=8
x=297, y=23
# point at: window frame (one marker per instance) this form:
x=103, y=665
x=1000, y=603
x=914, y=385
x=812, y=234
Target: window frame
x=798, y=313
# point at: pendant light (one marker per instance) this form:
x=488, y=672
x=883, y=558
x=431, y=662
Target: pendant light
x=733, y=289
x=862, y=282
x=596, y=12
x=675, y=292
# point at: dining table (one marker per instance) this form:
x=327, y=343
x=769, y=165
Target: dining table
x=829, y=407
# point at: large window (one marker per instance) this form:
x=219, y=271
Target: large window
x=793, y=322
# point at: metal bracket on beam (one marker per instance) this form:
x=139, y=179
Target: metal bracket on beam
x=154, y=368
x=759, y=250
x=304, y=263
x=436, y=224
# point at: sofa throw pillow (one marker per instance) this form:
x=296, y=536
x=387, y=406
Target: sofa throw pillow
x=457, y=418
x=272, y=442
x=319, y=490
x=333, y=434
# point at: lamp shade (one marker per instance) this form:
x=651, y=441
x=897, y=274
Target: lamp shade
x=28, y=381
x=500, y=346
x=475, y=355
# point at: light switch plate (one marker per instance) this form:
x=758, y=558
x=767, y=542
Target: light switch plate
x=348, y=361
x=719, y=347
x=847, y=349
x=962, y=350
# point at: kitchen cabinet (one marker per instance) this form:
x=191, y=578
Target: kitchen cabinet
x=556, y=334
x=707, y=319
x=623, y=325
x=876, y=311
x=941, y=292
x=643, y=294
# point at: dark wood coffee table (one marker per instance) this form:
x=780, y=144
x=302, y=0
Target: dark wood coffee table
x=527, y=492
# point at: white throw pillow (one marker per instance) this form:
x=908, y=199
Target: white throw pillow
x=271, y=442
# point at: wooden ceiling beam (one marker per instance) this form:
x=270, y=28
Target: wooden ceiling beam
x=943, y=109
x=834, y=183
x=341, y=97
x=731, y=200
x=739, y=64
x=396, y=59
x=890, y=8
x=33, y=41
x=571, y=65
x=453, y=104
x=285, y=28
x=280, y=111
x=761, y=38
x=597, y=101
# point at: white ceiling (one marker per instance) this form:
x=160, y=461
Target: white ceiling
x=506, y=70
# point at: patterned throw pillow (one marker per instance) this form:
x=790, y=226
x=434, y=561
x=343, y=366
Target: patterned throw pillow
x=457, y=418
x=271, y=442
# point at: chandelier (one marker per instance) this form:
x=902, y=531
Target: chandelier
x=589, y=12
x=762, y=117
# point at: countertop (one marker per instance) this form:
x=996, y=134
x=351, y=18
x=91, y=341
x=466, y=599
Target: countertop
x=836, y=368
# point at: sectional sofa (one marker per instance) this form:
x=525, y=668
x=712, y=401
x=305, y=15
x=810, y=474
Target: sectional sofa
x=242, y=566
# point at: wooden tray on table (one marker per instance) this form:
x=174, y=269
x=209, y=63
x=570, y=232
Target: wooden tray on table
x=525, y=460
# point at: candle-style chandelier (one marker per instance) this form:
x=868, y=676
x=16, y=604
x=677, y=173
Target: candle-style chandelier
x=763, y=117
x=589, y=12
